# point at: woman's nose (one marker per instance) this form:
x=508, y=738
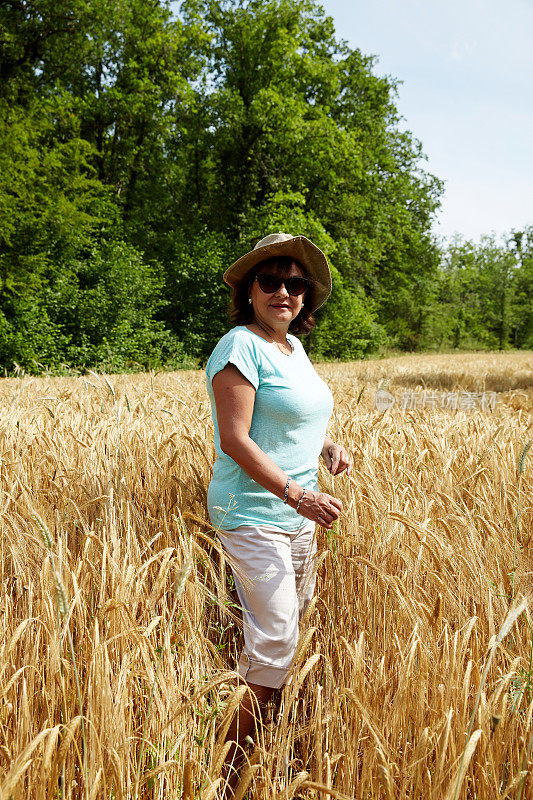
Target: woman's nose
x=283, y=290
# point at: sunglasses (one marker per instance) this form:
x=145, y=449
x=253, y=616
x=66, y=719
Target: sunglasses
x=295, y=285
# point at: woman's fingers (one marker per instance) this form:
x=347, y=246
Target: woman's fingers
x=335, y=503
x=325, y=517
x=322, y=508
x=344, y=461
x=331, y=510
x=339, y=460
x=334, y=453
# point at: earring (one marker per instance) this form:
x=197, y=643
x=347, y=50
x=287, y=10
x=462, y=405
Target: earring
x=250, y=301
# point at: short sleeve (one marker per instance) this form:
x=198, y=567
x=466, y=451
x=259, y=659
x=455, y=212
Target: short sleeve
x=236, y=350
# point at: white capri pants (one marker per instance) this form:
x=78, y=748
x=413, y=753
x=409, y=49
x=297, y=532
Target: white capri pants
x=275, y=573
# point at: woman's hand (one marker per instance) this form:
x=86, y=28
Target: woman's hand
x=336, y=457
x=320, y=507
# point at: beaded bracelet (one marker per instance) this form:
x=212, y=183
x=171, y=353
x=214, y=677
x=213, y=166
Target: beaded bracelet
x=286, y=492
x=300, y=501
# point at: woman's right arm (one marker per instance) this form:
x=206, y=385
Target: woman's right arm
x=234, y=400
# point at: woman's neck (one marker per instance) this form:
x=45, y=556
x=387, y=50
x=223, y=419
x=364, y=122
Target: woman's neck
x=278, y=335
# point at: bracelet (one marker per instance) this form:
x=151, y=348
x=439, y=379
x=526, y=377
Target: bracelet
x=300, y=501
x=286, y=492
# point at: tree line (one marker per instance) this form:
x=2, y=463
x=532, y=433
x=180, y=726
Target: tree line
x=143, y=148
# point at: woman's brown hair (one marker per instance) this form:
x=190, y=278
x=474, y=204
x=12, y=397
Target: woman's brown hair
x=242, y=312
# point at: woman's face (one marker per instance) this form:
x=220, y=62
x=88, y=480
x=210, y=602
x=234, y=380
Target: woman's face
x=279, y=308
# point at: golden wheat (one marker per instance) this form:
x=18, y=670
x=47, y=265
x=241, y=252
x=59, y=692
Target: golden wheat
x=408, y=681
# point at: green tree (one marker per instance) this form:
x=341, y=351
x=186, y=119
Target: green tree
x=183, y=137
x=51, y=208
x=198, y=299
x=459, y=318
x=496, y=279
x=127, y=67
x=285, y=107
x=50, y=199
x=484, y=293
x=520, y=244
x=38, y=41
x=106, y=309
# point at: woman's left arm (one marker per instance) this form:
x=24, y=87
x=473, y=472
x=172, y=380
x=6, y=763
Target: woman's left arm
x=336, y=457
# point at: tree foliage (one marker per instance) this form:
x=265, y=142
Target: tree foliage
x=484, y=294
x=143, y=149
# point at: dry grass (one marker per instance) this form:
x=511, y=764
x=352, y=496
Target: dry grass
x=401, y=658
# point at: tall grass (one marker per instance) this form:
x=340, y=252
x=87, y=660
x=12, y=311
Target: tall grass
x=403, y=686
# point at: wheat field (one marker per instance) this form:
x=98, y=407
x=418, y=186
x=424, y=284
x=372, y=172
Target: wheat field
x=119, y=630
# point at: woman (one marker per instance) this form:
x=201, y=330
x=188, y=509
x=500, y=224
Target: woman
x=270, y=413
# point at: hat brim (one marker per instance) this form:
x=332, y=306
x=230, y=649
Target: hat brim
x=301, y=249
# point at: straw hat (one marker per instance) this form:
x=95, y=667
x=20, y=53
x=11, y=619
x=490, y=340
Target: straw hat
x=299, y=248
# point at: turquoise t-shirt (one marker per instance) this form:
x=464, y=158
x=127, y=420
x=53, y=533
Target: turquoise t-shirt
x=291, y=412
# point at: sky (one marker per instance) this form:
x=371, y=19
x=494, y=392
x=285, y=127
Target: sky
x=466, y=68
